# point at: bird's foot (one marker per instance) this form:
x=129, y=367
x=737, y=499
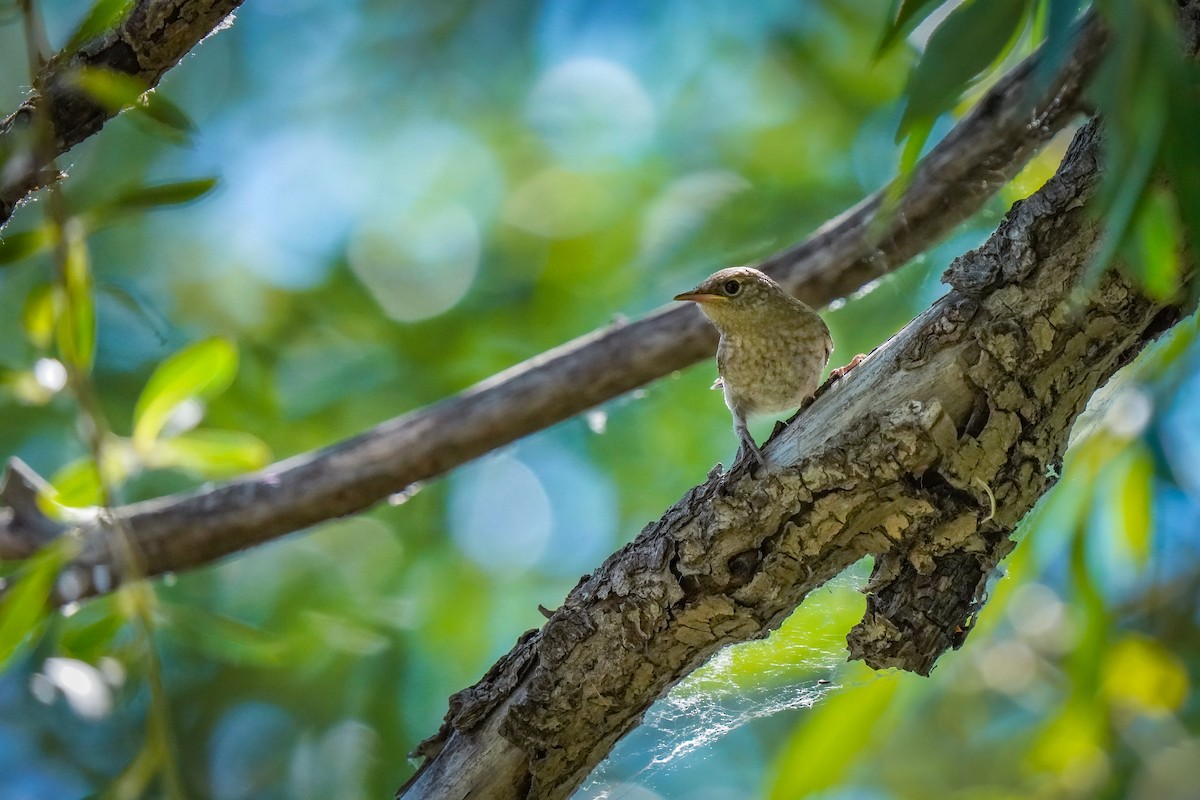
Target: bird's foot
x=748, y=452
x=840, y=372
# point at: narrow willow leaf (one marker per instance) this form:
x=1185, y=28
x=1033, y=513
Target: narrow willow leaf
x=163, y=194
x=17, y=246
x=117, y=91
x=1076, y=732
x=831, y=739
x=223, y=638
x=1135, y=502
x=910, y=155
x=138, y=199
x=1059, y=17
x=1181, y=157
x=1133, y=88
x=1143, y=676
x=340, y=632
x=88, y=634
x=77, y=322
x=23, y=607
x=1157, y=236
x=198, y=371
x=1093, y=637
x=969, y=40
x=102, y=16
x=78, y=484
x=905, y=15
x=113, y=90
x=211, y=454
x=1127, y=188
x=39, y=314
x=172, y=119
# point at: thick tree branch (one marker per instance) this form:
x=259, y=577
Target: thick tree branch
x=901, y=460
x=982, y=152
x=152, y=38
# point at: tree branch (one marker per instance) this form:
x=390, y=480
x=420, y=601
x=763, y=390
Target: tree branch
x=926, y=456
x=983, y=151
x=151, y=39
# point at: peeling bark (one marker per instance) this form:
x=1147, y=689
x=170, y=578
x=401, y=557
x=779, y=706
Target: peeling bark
x=925, y=456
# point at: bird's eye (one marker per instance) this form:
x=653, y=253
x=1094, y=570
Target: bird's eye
x=732, y=288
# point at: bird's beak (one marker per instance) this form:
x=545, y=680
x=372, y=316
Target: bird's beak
x=698, y=297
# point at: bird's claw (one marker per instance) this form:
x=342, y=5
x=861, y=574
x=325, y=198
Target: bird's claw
x=840, y=372
x=746, y=452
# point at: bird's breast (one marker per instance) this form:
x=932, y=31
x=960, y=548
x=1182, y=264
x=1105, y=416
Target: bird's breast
x=768, y=374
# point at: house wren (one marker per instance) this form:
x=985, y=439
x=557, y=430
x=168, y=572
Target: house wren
x=773, y=347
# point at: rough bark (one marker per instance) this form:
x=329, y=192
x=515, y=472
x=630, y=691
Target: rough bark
x=175, y=533
x=152, y=38
x=925, y=456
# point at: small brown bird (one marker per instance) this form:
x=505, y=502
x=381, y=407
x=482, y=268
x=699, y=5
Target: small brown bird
x=773, y=347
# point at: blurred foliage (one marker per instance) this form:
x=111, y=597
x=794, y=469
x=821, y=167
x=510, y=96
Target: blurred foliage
x=370, y=206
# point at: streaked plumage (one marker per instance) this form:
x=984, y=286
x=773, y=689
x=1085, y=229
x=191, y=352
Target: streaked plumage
x=773, y=347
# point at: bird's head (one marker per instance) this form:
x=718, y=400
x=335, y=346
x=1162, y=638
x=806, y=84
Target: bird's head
x=735, y=294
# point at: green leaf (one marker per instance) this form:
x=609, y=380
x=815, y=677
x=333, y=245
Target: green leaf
x=1157, y=236
x=970, y=39
x=102, y=16
x=905, y=15
x=1095, y=621
x=1127, y=184
x=1134, y=91
x=211, y=454
x=77, y=322
x=1180, y=156
x=113, y=90
x=117, y=91
x=223, y=638
x=340, y=632
x=1143, y=676
x=145, y=198
x=172, y=119
x=1060, y=16
x=39, y=314
x=1070, y=737
x=834, y=734
x=89, y=632
x=23, y=607
x=163, y=194
x=17, y=246
x=78, y=484
x=198, y=371
x=1135, y=501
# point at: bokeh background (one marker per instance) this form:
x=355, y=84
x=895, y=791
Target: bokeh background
x=412, y=197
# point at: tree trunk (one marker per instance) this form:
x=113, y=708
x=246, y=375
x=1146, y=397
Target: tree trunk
x=925, y=456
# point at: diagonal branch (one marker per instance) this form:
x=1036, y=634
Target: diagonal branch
x=151, y=39
x=983, y=151
x=925, y=457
